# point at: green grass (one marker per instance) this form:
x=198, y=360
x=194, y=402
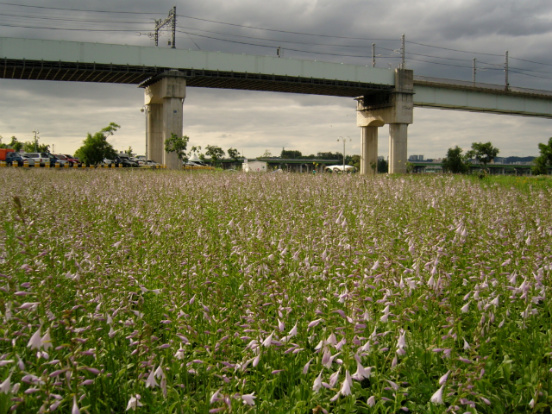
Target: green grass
x=184, y=278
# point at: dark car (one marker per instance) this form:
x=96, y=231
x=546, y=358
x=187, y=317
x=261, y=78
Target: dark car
x=12, y=157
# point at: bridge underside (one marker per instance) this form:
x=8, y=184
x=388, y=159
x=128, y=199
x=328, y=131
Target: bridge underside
x=145, y=76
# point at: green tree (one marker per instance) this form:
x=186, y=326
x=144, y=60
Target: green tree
x=29, y=146
x=455, y=161
x=483, y=153
x=233, y=153
x=177, y=144
x=129, y=151
x=15, y=144
x=383, y=165
x=355, y=162
x=544, y=161
x=290, y=154
x=95, y=147
x=216, y=153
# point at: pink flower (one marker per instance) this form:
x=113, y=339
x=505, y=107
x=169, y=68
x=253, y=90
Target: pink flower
x=306, y=367
x=215, y=396
x=314, y=323
x=75, y=409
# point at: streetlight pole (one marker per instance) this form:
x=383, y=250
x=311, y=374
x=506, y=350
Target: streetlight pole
x=36, y=139
x=344, y=140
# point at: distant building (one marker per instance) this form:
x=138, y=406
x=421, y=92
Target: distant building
x=416, y=158
x=254, y=166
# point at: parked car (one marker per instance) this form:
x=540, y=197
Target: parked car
x=40, y=158
x=15, y=157
x=55, y=160
x=72, y=160
x=151, y=163
x=62, y=159
x=128, y=161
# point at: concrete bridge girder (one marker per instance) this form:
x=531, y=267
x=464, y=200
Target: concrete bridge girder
x=164, y=99
x=398, y=112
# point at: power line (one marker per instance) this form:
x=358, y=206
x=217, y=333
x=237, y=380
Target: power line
x=287, y=44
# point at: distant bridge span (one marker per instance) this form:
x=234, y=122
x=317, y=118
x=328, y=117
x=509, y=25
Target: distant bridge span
x=384, y=96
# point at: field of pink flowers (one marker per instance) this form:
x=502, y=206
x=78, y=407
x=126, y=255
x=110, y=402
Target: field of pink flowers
x=161, y=292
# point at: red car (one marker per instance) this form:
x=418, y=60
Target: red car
x=72, y=160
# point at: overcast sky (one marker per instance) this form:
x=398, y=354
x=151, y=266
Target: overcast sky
x=442, y=39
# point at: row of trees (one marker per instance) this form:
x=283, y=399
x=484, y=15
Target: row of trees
x=485, y=153
x=27, y=146
x=482, y=153
x=178, y=145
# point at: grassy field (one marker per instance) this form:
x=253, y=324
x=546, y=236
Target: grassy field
x=204, y=292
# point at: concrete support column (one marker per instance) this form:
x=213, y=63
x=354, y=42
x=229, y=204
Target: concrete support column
x=154, y=133
x=172, y=123
x=164, y=98
x=397, y=148
x=369, y=150
x=393, y=107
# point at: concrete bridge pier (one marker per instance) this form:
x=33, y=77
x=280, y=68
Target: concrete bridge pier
x=397, y=148
x=164, y=98
x=369, y=150
x=396, y=108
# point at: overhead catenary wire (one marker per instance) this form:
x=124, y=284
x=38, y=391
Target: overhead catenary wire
x=59, y=19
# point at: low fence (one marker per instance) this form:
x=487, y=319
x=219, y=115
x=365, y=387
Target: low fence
x=58, y=166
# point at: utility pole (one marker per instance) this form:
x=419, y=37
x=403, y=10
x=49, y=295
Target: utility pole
x=403, y=52
x=474, y=70
x=373, y=55
x=161, y=23
x=506, y=84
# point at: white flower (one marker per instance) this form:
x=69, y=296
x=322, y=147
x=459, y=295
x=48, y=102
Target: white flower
x=151, y=382
x=361, y=372
x=317, y=383
x=268, y=341
x=46, y=340
x=371, y=401
x=6, y=385
x=293, y=331
x=401, y=343
x=134, y=402
x=444, y=378
x=35, y=342
x=248, y=399
x=437, y=398
x=346, y=385
x=179, y=354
